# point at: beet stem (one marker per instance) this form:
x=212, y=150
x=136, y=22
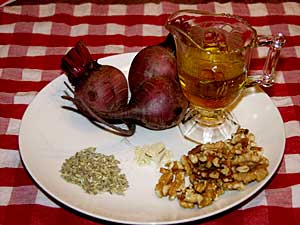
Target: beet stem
x=76, y=62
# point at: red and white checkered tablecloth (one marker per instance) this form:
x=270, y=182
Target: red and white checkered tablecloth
x=33, y=38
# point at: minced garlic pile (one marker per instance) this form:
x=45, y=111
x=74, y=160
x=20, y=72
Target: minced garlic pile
x=156, y=153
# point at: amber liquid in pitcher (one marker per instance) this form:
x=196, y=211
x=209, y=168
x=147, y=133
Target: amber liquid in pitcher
x=211, y=78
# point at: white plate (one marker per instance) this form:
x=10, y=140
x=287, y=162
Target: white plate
x=49, y=134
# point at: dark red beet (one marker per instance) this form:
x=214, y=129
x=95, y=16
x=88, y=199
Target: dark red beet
x=101, y=87
x=151, y=61
x=104, y=90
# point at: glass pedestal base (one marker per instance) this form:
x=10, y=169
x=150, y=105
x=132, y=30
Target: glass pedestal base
x=203, y=126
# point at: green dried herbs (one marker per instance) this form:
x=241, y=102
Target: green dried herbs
x=94, y=172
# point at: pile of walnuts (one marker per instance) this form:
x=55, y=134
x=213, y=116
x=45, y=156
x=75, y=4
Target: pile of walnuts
x=212, y=169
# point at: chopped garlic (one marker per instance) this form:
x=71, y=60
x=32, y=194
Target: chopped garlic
x=156, y=153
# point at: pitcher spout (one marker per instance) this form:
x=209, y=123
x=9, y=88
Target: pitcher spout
x=179, y=26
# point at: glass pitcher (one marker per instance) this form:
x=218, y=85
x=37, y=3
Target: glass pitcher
x=213, y=55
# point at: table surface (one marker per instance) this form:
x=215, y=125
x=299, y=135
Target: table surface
x=34, y=37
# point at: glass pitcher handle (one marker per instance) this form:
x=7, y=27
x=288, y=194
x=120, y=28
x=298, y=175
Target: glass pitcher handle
x=275, y=44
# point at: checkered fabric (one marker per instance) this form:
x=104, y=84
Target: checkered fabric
x=33, y=38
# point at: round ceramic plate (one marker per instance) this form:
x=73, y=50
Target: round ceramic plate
x=49, y=134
